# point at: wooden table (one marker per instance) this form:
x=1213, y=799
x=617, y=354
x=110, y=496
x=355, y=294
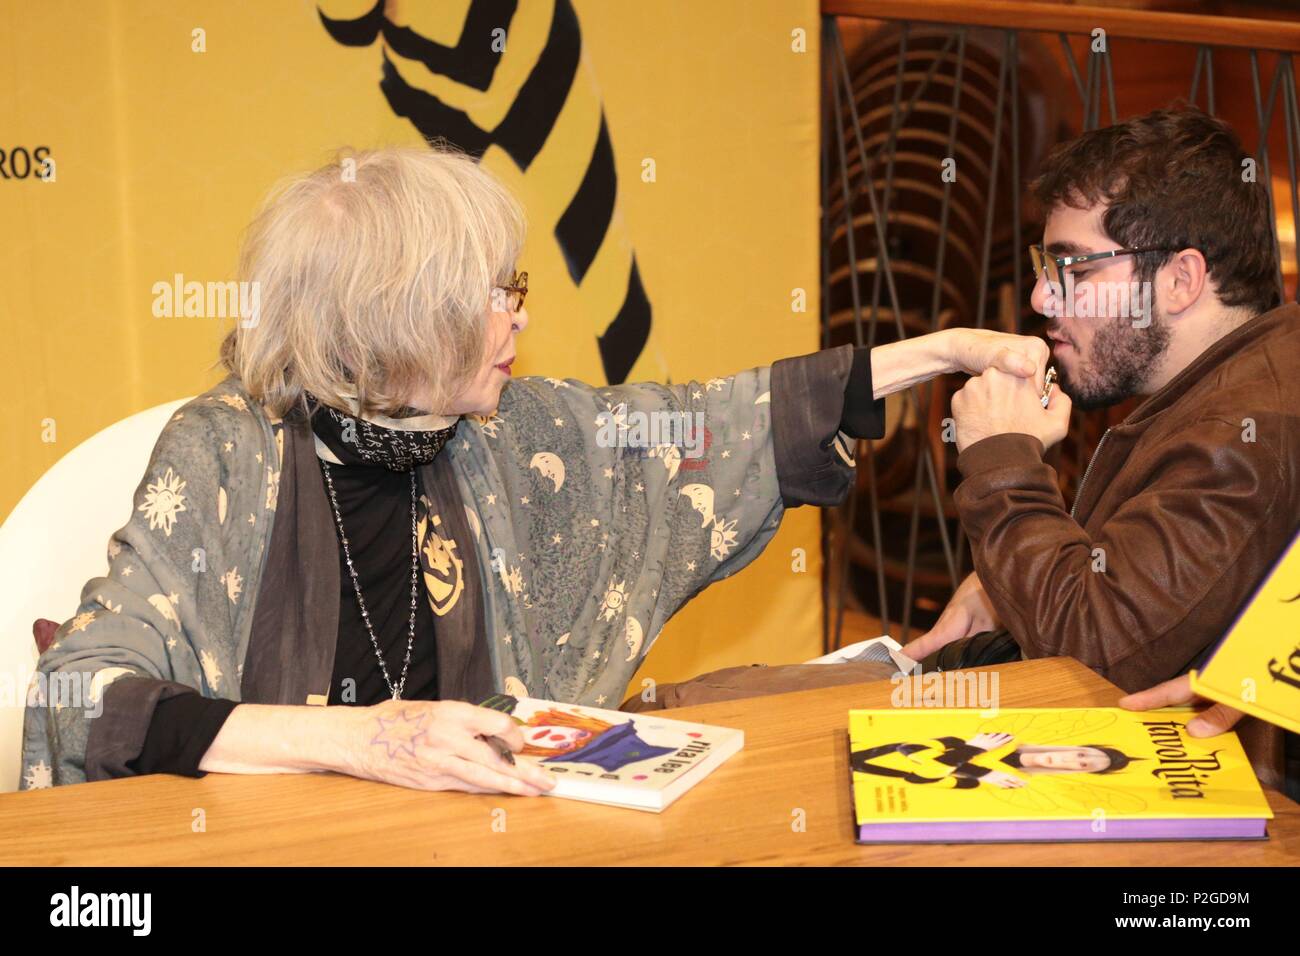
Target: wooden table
x=794, y=759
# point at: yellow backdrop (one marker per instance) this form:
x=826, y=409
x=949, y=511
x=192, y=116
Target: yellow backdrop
x=167, y=121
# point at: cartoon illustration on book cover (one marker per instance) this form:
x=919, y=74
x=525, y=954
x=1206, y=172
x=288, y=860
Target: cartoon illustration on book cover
x=559, y=735
x=1040, y=763
x=985, y=758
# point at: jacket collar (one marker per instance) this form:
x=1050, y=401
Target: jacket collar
x=1214, y=356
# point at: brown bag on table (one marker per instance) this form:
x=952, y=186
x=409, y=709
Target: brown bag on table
x=756, y=680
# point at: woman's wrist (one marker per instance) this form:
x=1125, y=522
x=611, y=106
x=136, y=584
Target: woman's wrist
x=948, y=347
x=332, y=737
x=269, y=738
x=900, y=365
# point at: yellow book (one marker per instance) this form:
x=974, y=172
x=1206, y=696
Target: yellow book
x=1098, y=773
x=1256, y=667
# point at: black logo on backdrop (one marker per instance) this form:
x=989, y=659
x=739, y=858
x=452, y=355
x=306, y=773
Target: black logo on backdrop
x=526, y=126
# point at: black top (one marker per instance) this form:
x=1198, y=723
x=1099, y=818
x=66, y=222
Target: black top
x=375, y=504
x=863, y=415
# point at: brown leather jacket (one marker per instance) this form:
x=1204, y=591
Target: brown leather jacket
x=1184, y=508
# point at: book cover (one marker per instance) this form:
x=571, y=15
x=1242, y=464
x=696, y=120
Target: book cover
x=955, y=776
x=640, y=761
x=1256, y=667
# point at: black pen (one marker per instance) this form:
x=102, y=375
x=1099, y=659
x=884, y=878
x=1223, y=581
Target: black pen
x=500, y=746
x=504, y=703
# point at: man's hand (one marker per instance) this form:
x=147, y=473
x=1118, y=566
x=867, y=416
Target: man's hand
x=997, y=404
x=1172, y=693
x=969, y=612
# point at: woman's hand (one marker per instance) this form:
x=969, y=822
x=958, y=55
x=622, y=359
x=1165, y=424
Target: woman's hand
x=434, y=745
x=907, y=362
x=974, y=351
x=969, y=612
x=1172, y=693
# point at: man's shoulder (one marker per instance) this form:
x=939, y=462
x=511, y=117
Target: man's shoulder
x=1243, y=419
x=1266, y=359
x=1259, y=381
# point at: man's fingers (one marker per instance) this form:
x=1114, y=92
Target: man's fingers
x=1172, y=693
x=1217, y=720
x=959, y=400
x=1169, y=694
x=1059, y=406
x=1042, y=355
x=952, y=625
x=918, y=648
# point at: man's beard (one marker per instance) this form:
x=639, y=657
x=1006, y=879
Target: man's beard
x=1120, y=362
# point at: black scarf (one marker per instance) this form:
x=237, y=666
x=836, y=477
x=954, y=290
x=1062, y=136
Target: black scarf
x=357, y=441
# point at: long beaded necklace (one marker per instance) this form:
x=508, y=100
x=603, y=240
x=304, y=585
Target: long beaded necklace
x=396, y=690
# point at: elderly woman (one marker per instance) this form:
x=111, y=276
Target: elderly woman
x=369, y=512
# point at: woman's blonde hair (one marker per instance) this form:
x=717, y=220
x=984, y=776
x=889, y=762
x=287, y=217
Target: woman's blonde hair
x=374, y=275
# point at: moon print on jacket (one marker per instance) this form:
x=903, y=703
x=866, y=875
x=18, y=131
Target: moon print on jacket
x=549, y=465
x=701, y=500
x=671, y=455
x=634, y=636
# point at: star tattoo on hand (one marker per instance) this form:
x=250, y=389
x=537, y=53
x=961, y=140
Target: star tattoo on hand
x=400, y=733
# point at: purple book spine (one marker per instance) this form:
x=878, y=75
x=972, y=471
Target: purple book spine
x=1034, y=831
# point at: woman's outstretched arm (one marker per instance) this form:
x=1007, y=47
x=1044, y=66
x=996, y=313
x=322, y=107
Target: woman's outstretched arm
x=426, y=745
x=900, y=365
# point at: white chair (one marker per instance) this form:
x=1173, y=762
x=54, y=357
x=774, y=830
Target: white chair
x=56, y=540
